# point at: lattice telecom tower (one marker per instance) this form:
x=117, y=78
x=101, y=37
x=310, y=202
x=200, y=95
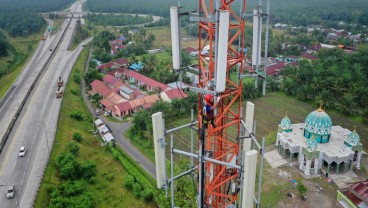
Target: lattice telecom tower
x=226, y=163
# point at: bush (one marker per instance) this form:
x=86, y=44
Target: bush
x=147, y=195
x=72, y=147
x=92, y=180
x=76, y=78
x=88, y=169
x=78, y=115
x=137, y=189
x=110, y=177
x=74, y=91
x=129, y=181
x=77, y=136
x=301, y=189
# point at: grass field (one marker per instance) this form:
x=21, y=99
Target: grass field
x=163, y=38
x=108, y=190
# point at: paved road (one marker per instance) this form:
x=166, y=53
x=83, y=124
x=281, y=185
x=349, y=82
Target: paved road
x=36, y=125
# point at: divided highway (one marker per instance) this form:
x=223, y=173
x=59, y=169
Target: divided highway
x=36, y=123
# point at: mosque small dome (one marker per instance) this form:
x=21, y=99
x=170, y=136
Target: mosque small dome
x=353, y=138
x=285, y=123
x=311, y=144
x=318, y=122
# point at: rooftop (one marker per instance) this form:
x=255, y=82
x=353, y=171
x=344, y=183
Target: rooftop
x=334, y=148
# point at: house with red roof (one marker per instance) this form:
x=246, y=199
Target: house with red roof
x=308, y=57
x=129, y=107
x=171, y=94
x=122, y=109
x=115, y=48
x=314, y=48
x=100, y=88
x=143, y=81
x=272, y=69
x=354, y=196
x=122, y=62
x=109, y=80
x=106, y=67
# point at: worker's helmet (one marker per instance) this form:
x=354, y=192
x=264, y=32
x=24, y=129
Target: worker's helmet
x=208, y=97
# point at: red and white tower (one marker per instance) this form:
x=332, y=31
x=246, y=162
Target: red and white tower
x=221, y=44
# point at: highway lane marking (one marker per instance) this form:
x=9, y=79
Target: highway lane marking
x=39, y=147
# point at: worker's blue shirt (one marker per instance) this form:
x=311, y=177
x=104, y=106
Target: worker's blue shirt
x=208, y=111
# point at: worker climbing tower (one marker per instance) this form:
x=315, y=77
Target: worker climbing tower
x=221, y=51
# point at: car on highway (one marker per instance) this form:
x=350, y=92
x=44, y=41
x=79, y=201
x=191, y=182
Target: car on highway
x=22, y=151
x=10, y=191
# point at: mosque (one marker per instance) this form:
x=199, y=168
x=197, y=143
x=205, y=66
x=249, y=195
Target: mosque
x=317, y=146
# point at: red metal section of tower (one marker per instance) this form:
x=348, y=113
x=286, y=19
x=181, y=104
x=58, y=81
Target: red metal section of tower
x=221, y=142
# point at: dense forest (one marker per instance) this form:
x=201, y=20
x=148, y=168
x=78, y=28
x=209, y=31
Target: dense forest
x=117, y=20
x=21, y=24
x=33, y=5
x=20, y=18
x=296, y=12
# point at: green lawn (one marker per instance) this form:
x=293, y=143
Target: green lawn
x=108, y=191
x=163, y=38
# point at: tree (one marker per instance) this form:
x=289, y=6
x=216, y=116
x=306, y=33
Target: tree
x=176, y=106
x=140, y=120
x=92, y=74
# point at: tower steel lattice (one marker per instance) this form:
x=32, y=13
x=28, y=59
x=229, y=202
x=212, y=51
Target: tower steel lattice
x=220, y=142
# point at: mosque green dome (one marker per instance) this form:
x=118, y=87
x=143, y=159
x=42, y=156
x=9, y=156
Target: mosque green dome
x=353, y=138
x=318, y=122
x=285, y=123
x=311, y=145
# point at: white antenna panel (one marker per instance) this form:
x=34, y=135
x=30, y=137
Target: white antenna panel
x=174, y=19
x=221, y=63
x=158, y=141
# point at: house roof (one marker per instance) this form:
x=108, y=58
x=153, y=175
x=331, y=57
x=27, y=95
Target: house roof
x=315, y=47
x=116, y=41
x=106, y=66
x=190, y=49
x=121, y=61
x=147, y=81
x=176, y=84
x=116, y=98
x=147, y=105
x=137, y=102
x=124, y=106
x=361, y=188
x=308, y=56
x=118, y=84
x=151, y=98
x=126, y=89
x=106, y=102
x=101, y=88
x=136, y=66
x=108, y=79
x=357, y=192
x=275, y=69
x=294, y=64
x=293, y=57
x=122, y=38
x=175, y=93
